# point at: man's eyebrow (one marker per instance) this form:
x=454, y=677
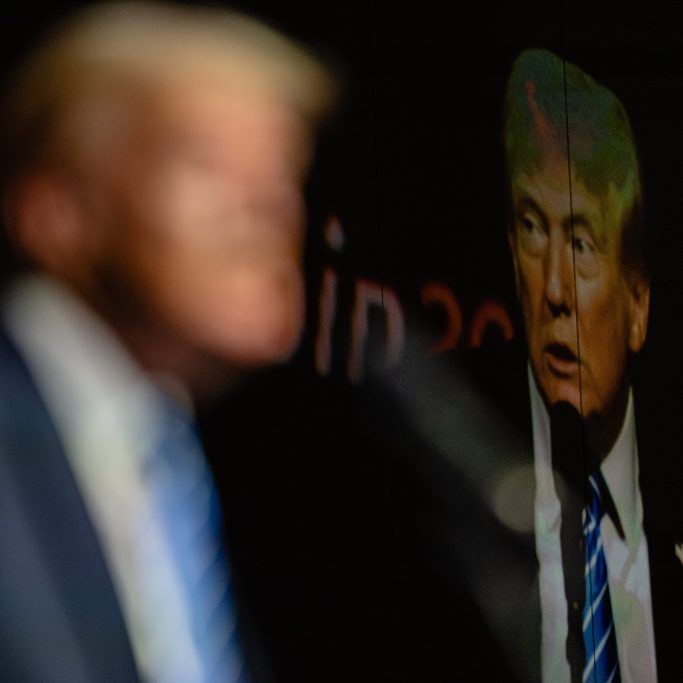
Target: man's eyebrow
x=581, y=220
x=526, y=201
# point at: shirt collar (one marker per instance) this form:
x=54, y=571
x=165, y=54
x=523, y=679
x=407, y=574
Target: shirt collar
x=619, y=468
x=85, y=372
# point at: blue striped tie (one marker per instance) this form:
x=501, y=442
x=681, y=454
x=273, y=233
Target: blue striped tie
x=184, y=491
x=602, y=663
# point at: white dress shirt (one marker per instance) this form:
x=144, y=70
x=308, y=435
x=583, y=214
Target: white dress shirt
x=627, y=560
x=105, y=411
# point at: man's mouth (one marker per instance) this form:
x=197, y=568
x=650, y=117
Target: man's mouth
x=561, y=359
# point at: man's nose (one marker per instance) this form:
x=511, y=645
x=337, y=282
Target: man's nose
x=559, y=279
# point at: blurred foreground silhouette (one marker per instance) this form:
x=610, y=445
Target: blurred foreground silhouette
x=153, y=160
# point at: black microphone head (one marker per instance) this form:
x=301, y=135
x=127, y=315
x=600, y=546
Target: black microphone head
x=566, y=438
x=566, y=442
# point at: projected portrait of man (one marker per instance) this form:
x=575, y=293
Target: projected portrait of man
x=575, y=239
x=576, y=236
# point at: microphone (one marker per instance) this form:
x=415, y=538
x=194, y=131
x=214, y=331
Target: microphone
x=569, y=474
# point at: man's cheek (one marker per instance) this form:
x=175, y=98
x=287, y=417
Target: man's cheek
x=526, y=296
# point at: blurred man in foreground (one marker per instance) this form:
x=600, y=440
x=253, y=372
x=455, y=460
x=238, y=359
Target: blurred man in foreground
x=152, y=166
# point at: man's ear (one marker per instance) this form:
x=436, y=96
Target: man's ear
x=45, y=222
x=639, y=312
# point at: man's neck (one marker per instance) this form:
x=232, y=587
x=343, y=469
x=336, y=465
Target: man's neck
x=603, y=429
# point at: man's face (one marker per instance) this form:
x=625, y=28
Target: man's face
x=581, y=313
x=203, y=224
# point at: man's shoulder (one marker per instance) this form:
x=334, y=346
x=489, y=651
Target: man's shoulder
x=29, y=442
x=17, y=389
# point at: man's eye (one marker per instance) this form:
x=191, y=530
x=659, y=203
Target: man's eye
x=531, y=234
x=586, y=257
x=583, y=246
x=528, y=223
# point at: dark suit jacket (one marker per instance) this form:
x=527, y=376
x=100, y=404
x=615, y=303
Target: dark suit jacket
x=59, y=615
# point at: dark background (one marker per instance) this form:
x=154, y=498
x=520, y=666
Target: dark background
x=411, y=166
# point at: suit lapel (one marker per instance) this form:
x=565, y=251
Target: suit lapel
x=660, y=492
x=47, y=492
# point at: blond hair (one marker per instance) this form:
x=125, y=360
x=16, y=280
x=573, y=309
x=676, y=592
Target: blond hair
x=99, y=54
x=553, y=107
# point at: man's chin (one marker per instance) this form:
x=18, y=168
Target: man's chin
x=255, y=341
x=556, y=391
x=254, y=319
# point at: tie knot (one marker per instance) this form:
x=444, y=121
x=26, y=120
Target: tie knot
x=598, y=496
x=598, y=491
x=175, y=458
x=175, y=418
x=600, y=501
